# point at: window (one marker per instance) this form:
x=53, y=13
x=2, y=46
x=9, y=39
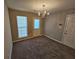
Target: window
x=22, y=26
x=36, y=24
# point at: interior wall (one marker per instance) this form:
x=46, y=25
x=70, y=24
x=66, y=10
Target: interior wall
x=30, y=19
x=52, y=27
x=7, y=35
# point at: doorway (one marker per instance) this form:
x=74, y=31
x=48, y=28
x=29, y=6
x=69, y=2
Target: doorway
x=69, y=31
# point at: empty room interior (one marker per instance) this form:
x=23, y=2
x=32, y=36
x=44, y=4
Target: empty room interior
x=39, y=29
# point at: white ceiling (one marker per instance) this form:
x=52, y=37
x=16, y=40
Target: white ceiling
x=35, y=5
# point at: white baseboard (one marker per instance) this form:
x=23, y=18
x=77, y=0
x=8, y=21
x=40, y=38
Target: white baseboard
x=57, y=41
x=53, y=39
x=44, y=35
x=25, y=38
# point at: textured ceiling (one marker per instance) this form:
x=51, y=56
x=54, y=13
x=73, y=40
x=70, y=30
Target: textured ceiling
x=36, y=5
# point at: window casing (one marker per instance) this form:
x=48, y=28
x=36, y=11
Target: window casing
x=22, y=26
x=36, y=24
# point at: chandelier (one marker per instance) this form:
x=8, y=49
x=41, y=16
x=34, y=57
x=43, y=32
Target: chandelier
x=44, y=12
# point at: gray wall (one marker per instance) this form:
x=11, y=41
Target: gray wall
x=7, y=35
x=52, y=24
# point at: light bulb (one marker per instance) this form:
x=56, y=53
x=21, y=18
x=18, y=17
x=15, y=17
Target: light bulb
x=45, y=12
x=48, y=13
x=38, y=13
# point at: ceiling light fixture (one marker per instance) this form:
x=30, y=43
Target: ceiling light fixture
x=44, y=12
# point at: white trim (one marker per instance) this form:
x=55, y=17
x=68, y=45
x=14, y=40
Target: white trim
x=46, y=36
x=11, y=51
x=57, y=41
x=25, y=38
x=53, y=39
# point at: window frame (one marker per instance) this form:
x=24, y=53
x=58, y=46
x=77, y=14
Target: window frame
x=26, y=27
x=38, y=25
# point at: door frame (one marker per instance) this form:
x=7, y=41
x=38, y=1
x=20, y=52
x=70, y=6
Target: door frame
x=65, y=26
